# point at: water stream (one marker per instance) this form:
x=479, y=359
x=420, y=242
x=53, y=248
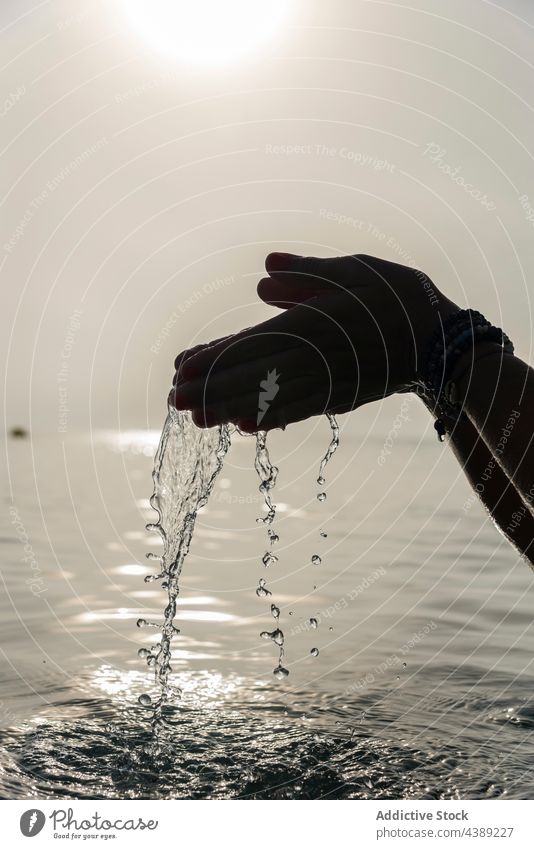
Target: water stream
x=187, y=462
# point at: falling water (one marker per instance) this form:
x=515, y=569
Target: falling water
x=331, y=449
x=187, y=462
x=316, y=559
x=267, y=474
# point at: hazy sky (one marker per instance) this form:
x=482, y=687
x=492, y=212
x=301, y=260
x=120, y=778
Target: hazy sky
x=141, y=192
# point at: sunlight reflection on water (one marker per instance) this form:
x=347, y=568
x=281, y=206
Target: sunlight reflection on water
x=457, y=722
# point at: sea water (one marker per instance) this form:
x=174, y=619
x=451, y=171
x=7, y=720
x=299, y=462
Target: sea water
x=401, y=558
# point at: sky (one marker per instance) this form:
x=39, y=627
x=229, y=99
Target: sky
x=142, y=186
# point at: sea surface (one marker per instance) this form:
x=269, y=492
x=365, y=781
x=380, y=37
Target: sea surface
x=423, y=683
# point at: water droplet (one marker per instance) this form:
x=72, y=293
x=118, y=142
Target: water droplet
x=313, y=622
x=324, y=536
x=280, y=672
x=273, y=536
x=314, y=652
x=321, y=481
x=143, y=653
x=151, y=527
x=268, y=559
x=315, y=586
x=291, y=613
x=398, y=677
x=152, y=556
x=141, y=623
x=278, y=637
x=144, y=699
x=275, y=611
x=150, y=578
x=316, y=560
x=321, y=496
x=405, y=665
x=261, y=589
x=265, y=635
x=330, y=629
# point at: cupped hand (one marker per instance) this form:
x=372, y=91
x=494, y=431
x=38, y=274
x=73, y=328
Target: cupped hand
x=352, y=331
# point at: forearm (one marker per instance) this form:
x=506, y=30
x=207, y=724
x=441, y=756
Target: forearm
x=496, y=390
x=492, y=486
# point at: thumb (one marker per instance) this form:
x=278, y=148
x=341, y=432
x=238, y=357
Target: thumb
x=294, y=279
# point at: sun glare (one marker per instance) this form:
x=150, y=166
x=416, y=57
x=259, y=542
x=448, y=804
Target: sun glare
x=206, y=32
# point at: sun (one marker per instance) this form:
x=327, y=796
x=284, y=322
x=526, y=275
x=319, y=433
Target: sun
x=206, y=32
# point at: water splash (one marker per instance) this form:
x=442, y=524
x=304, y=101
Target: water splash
x=187, y=462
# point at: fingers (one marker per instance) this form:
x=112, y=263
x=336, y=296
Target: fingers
x=269, y=339
x=295, y=411
x=294, y=398
x=286, y=293
x=315, y=403
x=183, y=356
x=294, y=279
x=259, y=377
x=310, y=270
x=190, y=352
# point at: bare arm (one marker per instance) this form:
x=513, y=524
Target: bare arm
x=497, y=393
x=491, y=484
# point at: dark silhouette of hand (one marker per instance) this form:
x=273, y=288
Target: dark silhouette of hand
x=352, y=331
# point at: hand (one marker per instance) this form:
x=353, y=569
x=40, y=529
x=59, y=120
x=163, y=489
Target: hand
x=353, y=330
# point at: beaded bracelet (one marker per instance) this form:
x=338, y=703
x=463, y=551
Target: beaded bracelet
x=458, y=333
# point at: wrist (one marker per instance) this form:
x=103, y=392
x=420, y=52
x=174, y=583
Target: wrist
x=450, y=360
x=487, y=356
x=430, y=327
